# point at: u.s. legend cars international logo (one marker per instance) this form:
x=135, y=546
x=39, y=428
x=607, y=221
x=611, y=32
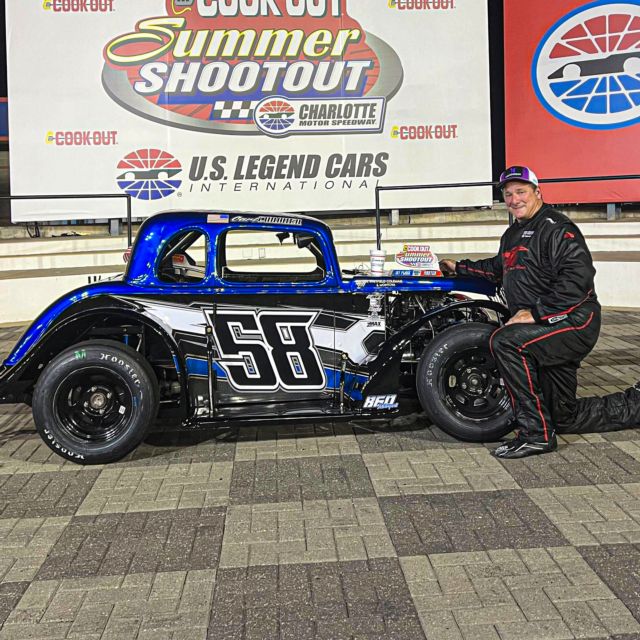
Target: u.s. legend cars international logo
x=274, y=67
x=149, y=174
x=586, y=69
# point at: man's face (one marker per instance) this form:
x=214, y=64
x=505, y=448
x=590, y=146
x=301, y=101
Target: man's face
x=522, y=199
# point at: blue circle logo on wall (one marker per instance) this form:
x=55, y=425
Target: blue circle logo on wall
x=149, y=174
x=586, y=69
x=274, y=115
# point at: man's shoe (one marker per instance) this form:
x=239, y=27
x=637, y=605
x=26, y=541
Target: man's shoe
x=520, y=447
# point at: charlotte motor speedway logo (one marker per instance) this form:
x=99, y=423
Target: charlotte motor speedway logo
x=244, y=67
x=586, y=69
x=279, y=116
x=149, y=174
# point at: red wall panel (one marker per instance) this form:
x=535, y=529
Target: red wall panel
x=572, y=94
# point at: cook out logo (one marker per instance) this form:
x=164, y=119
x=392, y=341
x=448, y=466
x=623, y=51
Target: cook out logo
x=82, y=138
x=78, y=6
x=424, y=132
x=209, y=65
x=586, y=69
x=421, y=5
x=149, y=174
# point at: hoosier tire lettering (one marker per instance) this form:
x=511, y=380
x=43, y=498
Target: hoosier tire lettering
x=60, y=449
x=121, y=363
x=431, y=365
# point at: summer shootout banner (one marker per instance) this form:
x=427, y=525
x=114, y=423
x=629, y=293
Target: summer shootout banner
x=265, y=105
x=572, y=85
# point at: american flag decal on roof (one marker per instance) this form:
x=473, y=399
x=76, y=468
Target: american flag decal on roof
x=218, y=218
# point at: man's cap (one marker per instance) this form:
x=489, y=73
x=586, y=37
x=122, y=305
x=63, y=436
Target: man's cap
x=521, y=174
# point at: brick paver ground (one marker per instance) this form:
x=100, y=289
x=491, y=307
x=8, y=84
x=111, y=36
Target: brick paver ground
x=363, y=531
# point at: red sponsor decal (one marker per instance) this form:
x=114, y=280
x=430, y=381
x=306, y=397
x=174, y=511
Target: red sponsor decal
x=510, y=258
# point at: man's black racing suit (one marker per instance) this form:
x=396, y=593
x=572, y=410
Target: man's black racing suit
x=544, y=266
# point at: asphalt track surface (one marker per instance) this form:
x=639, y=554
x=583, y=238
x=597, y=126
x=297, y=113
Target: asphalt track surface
x=349, y=530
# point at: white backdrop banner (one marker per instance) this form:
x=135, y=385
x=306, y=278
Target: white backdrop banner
x=261, y=105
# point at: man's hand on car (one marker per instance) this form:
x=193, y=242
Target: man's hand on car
x=522, y=317
x=448, y=267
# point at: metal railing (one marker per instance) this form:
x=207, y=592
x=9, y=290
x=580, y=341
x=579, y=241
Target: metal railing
x=93, y=196
x=457, y=185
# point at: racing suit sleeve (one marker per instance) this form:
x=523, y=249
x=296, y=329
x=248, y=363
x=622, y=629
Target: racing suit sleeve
x=488, y=268
x=573, y=276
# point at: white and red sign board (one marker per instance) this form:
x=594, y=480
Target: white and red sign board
x=572, y=86
x=262, y=105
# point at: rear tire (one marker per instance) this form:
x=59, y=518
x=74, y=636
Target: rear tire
x=95, y=402
x=459, y=386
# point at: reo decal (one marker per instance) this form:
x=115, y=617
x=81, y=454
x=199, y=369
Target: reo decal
x=381, y=402
x=274, y=67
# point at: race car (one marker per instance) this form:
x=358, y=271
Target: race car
x=232, y=318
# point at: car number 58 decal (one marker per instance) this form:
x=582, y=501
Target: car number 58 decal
x=268, y=350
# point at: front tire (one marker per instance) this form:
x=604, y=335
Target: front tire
x=95, y=402
x=459, y=386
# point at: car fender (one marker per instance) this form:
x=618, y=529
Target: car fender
x=20, y=378
x=384, y=369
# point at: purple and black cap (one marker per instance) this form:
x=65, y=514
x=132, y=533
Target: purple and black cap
x=520, y=174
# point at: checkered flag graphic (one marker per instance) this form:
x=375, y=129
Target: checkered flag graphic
x=234, y=109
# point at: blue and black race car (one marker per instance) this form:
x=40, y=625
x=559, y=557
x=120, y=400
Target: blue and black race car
x=199, y=332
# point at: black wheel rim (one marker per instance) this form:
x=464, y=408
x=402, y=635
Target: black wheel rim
x=472, y=386
x=93, y=404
